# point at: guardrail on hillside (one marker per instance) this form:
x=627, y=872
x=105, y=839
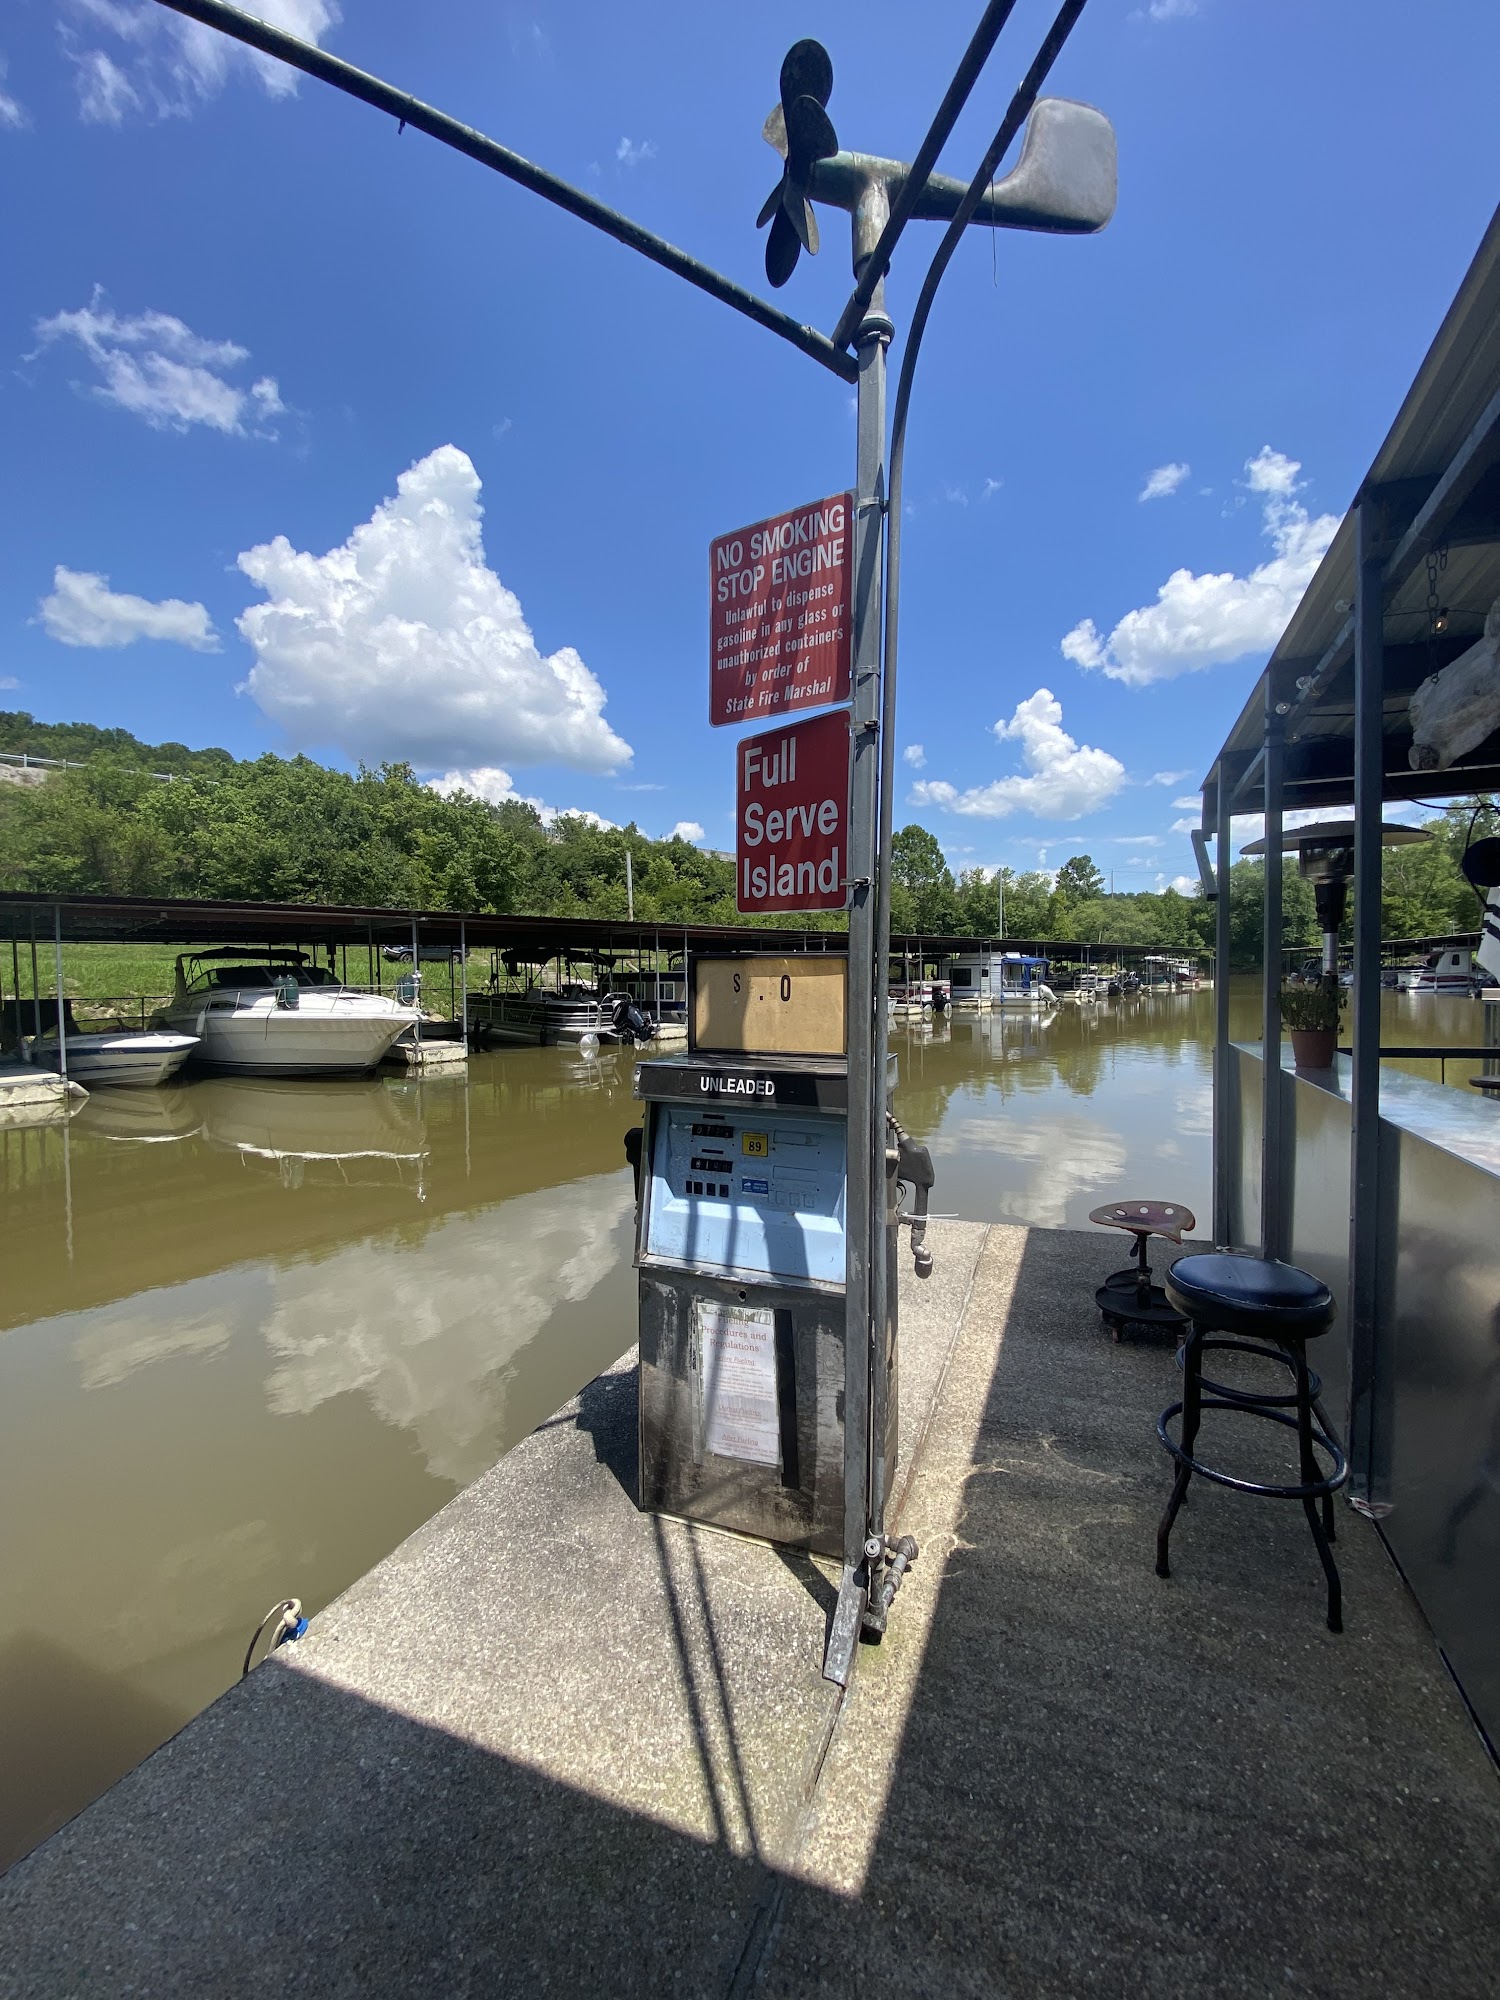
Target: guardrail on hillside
x=27, y=762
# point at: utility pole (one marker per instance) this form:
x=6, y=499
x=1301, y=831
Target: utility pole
x=629, y=886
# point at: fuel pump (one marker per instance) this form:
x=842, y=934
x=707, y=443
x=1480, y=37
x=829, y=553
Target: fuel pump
x=741, y=1250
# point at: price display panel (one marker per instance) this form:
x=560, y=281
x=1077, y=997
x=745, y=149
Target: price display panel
x=782, y=1003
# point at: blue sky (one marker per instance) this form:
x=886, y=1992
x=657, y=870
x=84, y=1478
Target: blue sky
x=237, y=313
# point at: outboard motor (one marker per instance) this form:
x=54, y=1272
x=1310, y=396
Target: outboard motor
x=630, y=1021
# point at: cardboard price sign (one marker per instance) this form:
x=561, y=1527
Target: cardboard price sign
x=792, y=817
x=781, y=621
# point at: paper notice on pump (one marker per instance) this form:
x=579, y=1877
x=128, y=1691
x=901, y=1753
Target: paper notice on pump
x=738, y=1349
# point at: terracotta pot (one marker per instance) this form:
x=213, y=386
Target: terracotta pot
x=1314, y=1048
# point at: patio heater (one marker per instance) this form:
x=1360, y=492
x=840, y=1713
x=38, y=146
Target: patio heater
x=1325, y=857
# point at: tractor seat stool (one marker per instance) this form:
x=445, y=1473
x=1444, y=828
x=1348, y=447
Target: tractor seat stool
x=1259, y=1306
x=1130, y=1297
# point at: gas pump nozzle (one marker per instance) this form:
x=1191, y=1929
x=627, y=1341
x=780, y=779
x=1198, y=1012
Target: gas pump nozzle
x=913, y=1165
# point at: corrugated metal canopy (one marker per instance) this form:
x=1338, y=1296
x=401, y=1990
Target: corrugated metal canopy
x=185, y=922
x=1437, y=476
x=188, y=921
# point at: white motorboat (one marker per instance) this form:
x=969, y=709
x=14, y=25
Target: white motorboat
x=116, y=1057
x=275, y=1013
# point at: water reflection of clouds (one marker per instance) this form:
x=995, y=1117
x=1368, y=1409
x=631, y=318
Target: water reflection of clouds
x=148, y=1331
x=1065, y=1159
x=426, y=1332
x=425, y=1338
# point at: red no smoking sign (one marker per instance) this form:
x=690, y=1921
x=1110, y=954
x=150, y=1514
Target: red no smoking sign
x=780, y=613
x=792, y=818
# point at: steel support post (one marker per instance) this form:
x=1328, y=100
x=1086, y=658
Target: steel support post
x=1368, y=1444
x=1272, y=1179
x=1227, y=1165
x=62, y=1033
x=864, y=1271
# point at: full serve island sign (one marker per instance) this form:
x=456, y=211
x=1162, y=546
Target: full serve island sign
x=781, y=637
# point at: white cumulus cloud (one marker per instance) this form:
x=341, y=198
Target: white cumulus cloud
x=1189, y=802
x=82, y=610
x=497, y=788
x=629, y=154
x=12, y=112
x=404, y=643
x=686, y=829
x=1272, y=472
x=915, y=755
x=1206, y=621
x=1164, y=480
x=167, y=65
x=153, y=365
x=1064, y=781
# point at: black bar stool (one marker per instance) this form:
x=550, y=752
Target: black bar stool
x=1255, y=1305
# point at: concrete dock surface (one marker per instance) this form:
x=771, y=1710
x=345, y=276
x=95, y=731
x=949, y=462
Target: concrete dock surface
x=554, y=1745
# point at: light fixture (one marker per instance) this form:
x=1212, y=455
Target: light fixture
x=1440, y=621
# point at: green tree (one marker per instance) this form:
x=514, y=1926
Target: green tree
x=918, y=868
x=1078, y=880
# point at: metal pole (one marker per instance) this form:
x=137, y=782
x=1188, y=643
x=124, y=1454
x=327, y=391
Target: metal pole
x=864, y=1271
x=416, y=986
x=62, y=1033
x=463, y=984
x=36, y=988
x=629, y=888
x=1368, y=1388
x=1228, y=1171
x=316, y=62
x=1272, y=1206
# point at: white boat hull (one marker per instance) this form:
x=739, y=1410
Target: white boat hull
x=139, y=1060
x=267, y=1040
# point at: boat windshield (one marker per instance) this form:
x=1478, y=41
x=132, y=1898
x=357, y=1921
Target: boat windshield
x=243, y=978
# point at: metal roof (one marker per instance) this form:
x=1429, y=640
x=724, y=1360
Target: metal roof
x=1438, y=478
x=187, y=921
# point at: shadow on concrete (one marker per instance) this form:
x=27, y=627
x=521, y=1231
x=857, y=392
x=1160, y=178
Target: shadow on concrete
x=1113, y=1784
x=607, y=1415
x=353, y=1852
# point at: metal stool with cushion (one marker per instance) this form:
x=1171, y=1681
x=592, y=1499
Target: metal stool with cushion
x=1255, y=1305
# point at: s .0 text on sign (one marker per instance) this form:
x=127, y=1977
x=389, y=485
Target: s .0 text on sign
x=780, y=613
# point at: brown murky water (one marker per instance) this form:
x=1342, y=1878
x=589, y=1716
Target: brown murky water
x=253, y=1333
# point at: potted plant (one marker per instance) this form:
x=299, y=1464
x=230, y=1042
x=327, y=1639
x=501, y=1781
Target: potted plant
x=1311, y=1014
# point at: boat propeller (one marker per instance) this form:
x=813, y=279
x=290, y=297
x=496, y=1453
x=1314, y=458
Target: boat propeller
x=802, y=132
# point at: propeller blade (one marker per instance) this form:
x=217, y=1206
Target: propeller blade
x=807, y=71
x=774, y=130
x=782, y=250
x=810, y=135
x=772, y=203
x=799, y=212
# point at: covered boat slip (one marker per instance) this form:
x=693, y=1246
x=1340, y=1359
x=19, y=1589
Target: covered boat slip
x=1384, y=1185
